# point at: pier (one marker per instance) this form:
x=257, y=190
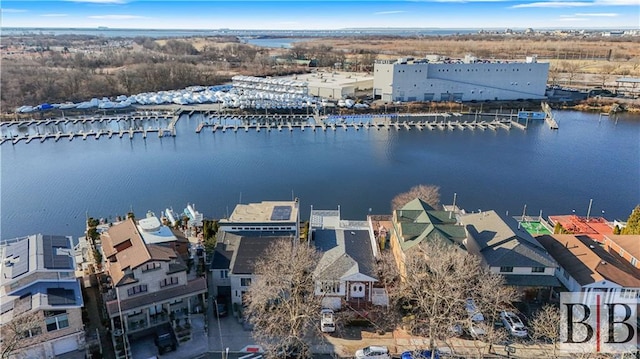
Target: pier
x=549, y=119
x=386, y=122
x=94, y=126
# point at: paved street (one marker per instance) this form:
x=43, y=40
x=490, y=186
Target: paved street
x=212, y=339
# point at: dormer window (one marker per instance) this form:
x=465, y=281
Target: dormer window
x=151, y=266
x=123, y=245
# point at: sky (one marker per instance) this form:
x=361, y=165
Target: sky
x=323, y=15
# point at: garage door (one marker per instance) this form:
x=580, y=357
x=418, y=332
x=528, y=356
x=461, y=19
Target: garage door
x=65, y=346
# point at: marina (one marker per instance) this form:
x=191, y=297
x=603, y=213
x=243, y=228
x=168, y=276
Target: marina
x=163, y=124
x=489, y=169
x=89, y=127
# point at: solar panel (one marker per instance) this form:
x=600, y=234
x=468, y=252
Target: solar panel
x=61, y=296
x=17, y=258
x=53, y=260
x=281, y=213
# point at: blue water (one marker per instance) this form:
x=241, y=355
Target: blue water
x=274, y=42
x=50, y=187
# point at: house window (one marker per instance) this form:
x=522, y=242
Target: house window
x=506, y=269
x=224, y=274
x=151, y=266
x=330, y=288
x=168, y=281
x=142, y=288
x=32, y=332
x=537, y=270
x=245, y=282
x=56, y=320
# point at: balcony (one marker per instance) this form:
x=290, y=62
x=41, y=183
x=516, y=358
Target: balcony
x=194, y=287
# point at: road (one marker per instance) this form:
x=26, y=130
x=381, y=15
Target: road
x=251, y=356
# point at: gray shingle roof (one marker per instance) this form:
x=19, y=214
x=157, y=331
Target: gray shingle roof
x=502, y=244
x=250, y=249
x=344, y=252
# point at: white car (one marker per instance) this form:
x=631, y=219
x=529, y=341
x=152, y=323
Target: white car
x=327, y=323
x=373, y=352
x=513, y=324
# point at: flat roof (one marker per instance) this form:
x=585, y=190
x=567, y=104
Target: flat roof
x=333, y=79
x=629, y=79
x=264, y=212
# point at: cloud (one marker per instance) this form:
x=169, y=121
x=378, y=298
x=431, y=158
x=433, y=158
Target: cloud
x=116, y=17
x=553, y=4
x=602, y=14
x=389, y=12
x=13, y=10
x=54, y=15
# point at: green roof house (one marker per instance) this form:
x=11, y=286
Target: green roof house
x=417, y=222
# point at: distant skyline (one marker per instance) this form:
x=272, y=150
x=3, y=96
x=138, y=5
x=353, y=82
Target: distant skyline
x=323, y=15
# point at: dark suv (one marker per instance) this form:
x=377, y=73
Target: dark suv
x=165, y=340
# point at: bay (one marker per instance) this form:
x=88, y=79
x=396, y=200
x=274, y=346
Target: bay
x=51, y=187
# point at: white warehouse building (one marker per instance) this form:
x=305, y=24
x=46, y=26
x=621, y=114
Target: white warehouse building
x=470, y=79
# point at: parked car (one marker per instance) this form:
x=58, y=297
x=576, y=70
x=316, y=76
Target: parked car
x=513, y=324
x=475, y=314
x=165, y=339
x=475, y=328
x=327, y=322
x=419, y=354
x=373, y=352
x=221, y=310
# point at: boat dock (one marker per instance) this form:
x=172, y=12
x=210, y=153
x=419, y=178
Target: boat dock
x=454, y=125
x=549, y=118
x=141, y=123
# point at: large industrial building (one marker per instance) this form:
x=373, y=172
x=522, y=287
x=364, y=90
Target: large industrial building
x=470, y=79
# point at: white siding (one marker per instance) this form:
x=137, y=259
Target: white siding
x=476, y=81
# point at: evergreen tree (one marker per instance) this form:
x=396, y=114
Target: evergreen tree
x=633, y=223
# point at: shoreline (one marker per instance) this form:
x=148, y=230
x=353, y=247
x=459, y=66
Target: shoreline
x=592, y=105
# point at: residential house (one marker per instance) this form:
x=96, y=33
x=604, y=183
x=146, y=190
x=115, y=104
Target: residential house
x=40, y=296
x=154, y=232
x=510, y=250
x=245, y=251
x=150, y=285
x=417, y=222
x=275, y=217
x=626, y=246
x=586, y=266
x=346, y=274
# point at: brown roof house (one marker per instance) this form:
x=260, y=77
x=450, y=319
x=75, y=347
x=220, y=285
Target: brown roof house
x=585, y=265
x=626, y=246
x=150, y=286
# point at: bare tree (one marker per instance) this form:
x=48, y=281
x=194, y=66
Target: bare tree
x=436, y=285
x=281, y=303
x=491, y=296
x=546, y=326
x=22, y=331
x=428, y=193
